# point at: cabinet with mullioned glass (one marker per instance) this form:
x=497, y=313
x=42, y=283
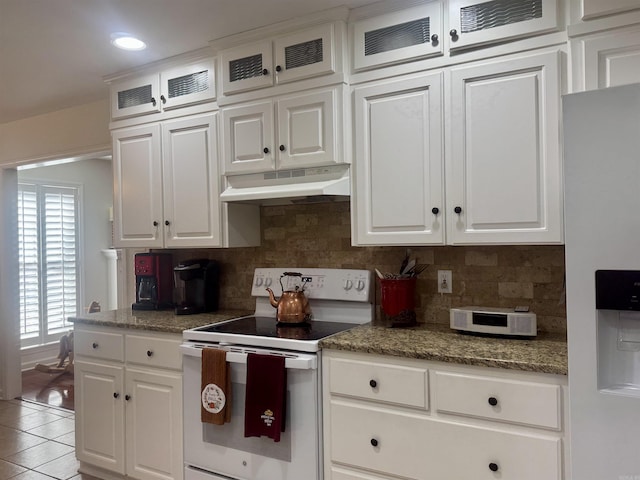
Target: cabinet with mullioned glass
x=288, y=58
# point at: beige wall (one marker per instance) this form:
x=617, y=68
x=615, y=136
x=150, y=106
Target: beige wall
x=61, y=134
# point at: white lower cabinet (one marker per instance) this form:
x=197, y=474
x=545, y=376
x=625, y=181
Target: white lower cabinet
x=473, y=422
x=128, y=405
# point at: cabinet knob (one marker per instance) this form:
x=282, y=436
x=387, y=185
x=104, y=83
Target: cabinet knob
x=493, y=467
x=458, y=210
x=493, y=401
x=434, y=38
x=454, y=34
x=155, y=224
x=373, y=383
x=164, y=100
x=265, y=72
x=116, y=394
x=94, y=345
x=435, y=210
x=282, y=149
x=374, y=442
x=153, y=101
x=127, y=397
x=278, y=68
x=265, y=150
x=167, y=222
x=149, y=353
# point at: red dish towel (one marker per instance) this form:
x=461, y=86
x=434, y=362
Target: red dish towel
x=215, y=388
x=265, y=402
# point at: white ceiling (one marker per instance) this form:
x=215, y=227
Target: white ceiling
x=55, y=53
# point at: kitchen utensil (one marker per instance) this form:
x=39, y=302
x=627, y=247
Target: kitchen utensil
x=405, y=261
x=293, y=305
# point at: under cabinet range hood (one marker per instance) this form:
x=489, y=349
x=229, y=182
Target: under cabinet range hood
x=302, y=185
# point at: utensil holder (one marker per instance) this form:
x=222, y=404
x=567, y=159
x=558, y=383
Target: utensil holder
x=398, y=301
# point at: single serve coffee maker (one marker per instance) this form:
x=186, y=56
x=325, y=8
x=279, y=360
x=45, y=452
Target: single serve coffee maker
x=154, y=281
x=197, y=286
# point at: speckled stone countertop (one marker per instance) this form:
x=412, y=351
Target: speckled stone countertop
x=547, y=353
x=155, y=320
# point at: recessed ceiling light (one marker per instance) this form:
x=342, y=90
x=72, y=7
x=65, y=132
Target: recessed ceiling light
x=127, y=42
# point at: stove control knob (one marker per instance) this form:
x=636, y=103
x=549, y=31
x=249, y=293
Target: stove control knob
x=268, y=281
x=360, y=285
x=348, y=284
x=259, y=281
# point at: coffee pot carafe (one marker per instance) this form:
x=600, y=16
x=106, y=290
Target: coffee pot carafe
x=154, y=281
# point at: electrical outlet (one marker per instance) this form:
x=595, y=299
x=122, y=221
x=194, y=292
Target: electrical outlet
x=444, y=281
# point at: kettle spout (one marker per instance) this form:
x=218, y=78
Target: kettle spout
x=272, y=298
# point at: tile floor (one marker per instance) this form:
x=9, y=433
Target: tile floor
x=37, y=442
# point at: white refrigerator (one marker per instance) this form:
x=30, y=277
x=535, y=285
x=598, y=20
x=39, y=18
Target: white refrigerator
x=602, y=215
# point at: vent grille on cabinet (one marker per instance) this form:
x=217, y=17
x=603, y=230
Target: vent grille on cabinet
x=498, y=13
x=301, y=54
x=188, y=84
x=134, y=97
x=247, y=67
x=398, y=36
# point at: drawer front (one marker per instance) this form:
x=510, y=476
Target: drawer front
x=420, y=448
x=154, y=352
x=105, y=345
x=504, y=400
x=379, y=440
x=397, y=384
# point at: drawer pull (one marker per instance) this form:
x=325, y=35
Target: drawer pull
x=374, y=442
x=149, y=353
x=373, y=383
x=493, y=401
x=94, y=344
x=493, y=467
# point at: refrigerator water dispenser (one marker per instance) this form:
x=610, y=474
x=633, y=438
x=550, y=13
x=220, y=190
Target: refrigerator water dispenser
x=618, y=314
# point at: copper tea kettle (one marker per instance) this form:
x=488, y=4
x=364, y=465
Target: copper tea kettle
x=293, y=305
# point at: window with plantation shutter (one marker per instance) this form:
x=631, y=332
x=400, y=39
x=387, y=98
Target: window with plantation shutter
x=48, y=250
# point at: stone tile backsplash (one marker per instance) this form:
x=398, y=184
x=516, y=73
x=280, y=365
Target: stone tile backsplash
x=318, y=235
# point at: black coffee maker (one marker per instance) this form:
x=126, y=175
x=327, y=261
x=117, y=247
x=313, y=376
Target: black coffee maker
x=197, y=286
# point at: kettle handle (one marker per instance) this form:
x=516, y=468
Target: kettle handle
x=288, y=274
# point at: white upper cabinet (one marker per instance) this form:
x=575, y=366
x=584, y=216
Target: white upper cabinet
x=398, y=36
x=293, y=131
x=607, y=59
x=398, y=167
x=504, y=171
x=296, y=56
x=478, y=22
x=153, y=93
x=599, y=8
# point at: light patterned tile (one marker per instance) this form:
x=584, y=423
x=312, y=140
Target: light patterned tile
x=31, y=475
x=63, y=468
x=8, y=470
x=13, y=441
x=40, y=454
x=54, y=429
x=31, y=420
x=67, y=439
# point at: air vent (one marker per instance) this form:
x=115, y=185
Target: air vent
x=188, y=84
x=302, y=54
x=398, y=36
x=498, y=13
x=247, y=67
x=134, y=97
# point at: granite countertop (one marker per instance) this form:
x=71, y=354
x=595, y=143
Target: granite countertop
x=155, y=320
x=547, y=353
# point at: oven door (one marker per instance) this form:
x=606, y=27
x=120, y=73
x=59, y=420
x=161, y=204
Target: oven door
x=223, y=449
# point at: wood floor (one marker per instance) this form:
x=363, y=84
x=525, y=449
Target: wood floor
x=55, y=390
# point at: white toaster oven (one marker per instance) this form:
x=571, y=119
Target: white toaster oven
x=495, y=321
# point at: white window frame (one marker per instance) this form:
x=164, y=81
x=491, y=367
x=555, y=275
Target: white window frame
x=41, y=187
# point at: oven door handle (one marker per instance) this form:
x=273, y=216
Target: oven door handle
x=295, y=361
